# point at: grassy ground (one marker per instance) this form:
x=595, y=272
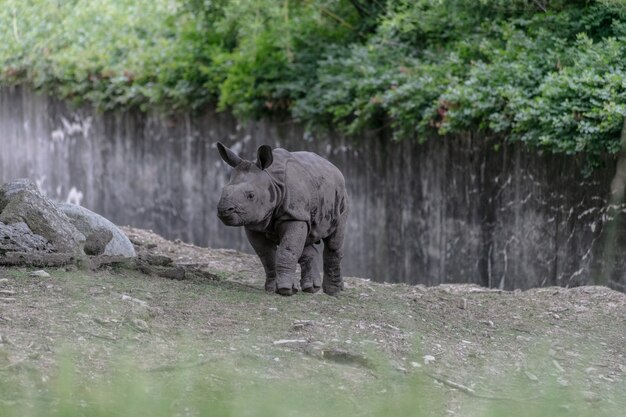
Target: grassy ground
x=119, y=342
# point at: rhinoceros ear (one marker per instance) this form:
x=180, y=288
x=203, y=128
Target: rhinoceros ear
x=228, y=156
x=264, y=157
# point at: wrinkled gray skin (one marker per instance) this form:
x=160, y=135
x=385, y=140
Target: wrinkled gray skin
x=287, y=202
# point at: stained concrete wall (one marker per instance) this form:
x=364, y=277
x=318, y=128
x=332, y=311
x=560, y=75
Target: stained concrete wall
x=463, y=209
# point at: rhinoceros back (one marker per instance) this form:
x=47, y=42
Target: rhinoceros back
x=315, y=191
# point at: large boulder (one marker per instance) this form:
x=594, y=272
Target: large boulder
x=22, y=202
x=102, y=236
x=18, y=237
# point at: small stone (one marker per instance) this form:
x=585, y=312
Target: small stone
x=140, y=325
x=3, y=280
x=134, y=300
x=344, y=357
x=428, y=359
x=288, y=341
x=40, y=273
x=151, y=245
x=590, y=396
x=563, y=382
x=172, y=272
x=463, y=304
x=7, y=292
x=301, y=324
x=606, y=378
x=158, y=260
x=102, y=322
x=531, y=376
x=416, y=365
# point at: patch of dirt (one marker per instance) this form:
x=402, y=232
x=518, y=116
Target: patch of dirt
x=470, y=342
x=224, y=261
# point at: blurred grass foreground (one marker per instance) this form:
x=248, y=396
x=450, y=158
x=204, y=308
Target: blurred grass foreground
x=121, y=343
x=209, y=390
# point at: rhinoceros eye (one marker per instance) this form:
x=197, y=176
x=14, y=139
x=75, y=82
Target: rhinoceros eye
x=250, y=195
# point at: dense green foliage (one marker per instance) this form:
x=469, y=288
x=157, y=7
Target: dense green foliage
x=546, y=72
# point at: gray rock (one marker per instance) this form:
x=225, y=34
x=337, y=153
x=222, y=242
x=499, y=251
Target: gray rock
x=102, y=236
x=21, y=202
x=39, y=259
x=18, y=237
x=176, y=272
x=96, y=243
x=158, y=260
x=99, y=261
x=140, y=325
x=41, y=274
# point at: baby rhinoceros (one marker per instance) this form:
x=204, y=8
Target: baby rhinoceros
x=288, y=202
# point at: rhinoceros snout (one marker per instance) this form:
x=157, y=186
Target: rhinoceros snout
x=228, y=214
x=225, y=211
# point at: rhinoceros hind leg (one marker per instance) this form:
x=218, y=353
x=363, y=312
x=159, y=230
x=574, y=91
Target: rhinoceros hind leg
x=311, y=280
x=333, y=281
x=270, y=284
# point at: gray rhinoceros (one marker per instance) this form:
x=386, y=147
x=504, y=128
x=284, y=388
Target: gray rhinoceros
x=288, y=202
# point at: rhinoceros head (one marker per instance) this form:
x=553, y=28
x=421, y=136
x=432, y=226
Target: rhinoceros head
x=249, y=196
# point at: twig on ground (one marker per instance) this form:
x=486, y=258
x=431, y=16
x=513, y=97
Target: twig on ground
x=101, y=336
x=170, y=368
x=518, y=329
x=471, y=392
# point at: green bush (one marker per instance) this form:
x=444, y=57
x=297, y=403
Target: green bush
x=549, y=73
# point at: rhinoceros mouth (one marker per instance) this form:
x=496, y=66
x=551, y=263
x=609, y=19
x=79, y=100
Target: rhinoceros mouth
x=232, y=219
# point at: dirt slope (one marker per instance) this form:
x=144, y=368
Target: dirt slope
x=470, y=343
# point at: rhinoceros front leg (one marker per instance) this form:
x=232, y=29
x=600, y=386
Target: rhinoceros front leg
x=266, y=251
x=292, y=236
x=311, y=280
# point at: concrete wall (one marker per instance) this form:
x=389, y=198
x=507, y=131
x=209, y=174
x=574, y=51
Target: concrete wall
x=464, y=209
